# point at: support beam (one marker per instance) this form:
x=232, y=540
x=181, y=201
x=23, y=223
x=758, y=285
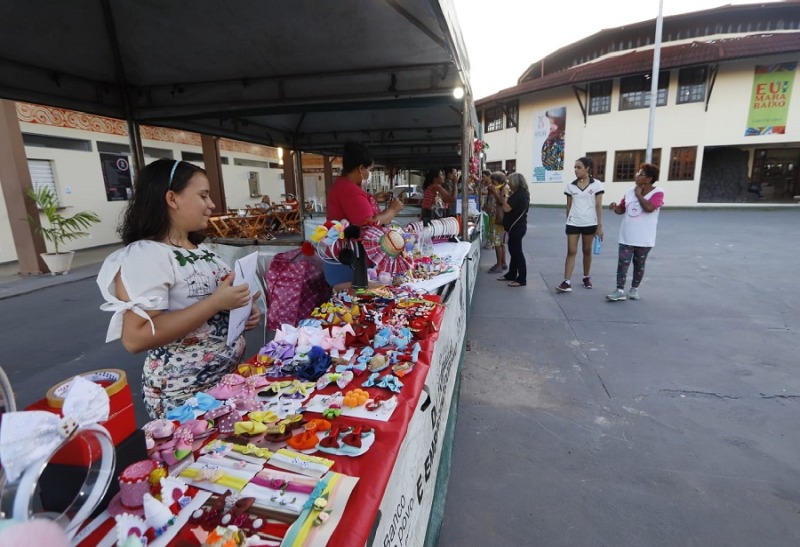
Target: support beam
x=15, y=179
x=213, y=166
x=288, y=172
x=327, y=167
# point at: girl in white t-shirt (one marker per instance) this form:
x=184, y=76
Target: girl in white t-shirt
x=170, y=294
x=584, y=220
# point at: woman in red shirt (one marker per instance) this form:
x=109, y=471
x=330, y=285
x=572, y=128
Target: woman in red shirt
x=347, y=200
x=431, y=207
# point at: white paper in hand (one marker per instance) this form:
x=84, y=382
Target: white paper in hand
x=245, y=272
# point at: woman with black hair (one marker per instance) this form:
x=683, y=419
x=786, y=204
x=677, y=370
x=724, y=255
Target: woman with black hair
x=347, y=200
x=637, y=231
x=584, y=221
x=434, y=196
x=170, y=294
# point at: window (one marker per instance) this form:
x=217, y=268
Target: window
x=692, y=84
x=42, y=176
x=494, y=166
x=494, y=119
x=46, y=141
x=158, y=153
x=512, y=114
x=192, y=156
x=599, y=160
x=600, y=97
x=113, y=148
x=251, y=163
x=681, y=163
x=511, y=166
x=634, y=91
x=626, y=163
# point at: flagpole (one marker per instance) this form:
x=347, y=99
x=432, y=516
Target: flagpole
x=654, y=81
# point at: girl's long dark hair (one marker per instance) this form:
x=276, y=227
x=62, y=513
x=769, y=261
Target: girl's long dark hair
x=146, y=216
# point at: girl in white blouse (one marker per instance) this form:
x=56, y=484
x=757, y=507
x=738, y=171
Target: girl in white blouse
x=170, y=294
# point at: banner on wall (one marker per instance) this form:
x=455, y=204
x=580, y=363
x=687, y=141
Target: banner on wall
x=116, y=176
x=769, y=104
x=548, y=144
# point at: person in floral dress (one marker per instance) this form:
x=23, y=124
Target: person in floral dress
x=171, y=295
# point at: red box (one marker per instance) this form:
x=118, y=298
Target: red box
x=121, y=424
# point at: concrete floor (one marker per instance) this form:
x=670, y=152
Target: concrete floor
x=672, y=420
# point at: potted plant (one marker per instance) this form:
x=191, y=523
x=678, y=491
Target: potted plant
x=60, y=228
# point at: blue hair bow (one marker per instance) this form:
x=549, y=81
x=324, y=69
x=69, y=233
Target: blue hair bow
x=194, y=406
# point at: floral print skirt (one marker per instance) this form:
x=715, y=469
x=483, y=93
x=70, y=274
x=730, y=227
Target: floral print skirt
x=177, y=371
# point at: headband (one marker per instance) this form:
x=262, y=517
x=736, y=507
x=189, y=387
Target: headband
x=172, y=173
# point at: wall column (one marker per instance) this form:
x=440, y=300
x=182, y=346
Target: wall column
x=15, y=179
x=213, y=166
x=327, y=167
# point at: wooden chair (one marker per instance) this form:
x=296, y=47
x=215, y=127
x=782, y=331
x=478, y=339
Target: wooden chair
x=289, y=222
x=254, y=227
x=219, y=227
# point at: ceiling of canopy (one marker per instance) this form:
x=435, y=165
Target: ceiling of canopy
x=302, y=74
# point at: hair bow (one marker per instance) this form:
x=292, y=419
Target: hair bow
x=177, y=448
x=193, y=407
x=279, y=349
x=248, y=369
x=298, y=389
x=401, y=339
x=250, y=448
x=264, y=416
x=318, y=363
x=29, y=436
x=382, y=337
x=287, y=333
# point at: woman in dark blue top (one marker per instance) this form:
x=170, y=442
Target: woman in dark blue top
x=515, y=222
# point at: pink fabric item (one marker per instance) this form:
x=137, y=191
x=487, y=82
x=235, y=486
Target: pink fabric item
x=347, y=201
x=224, y=417
x=134, y=483
x=35, y=532
x=228, y=386
x=295, y=286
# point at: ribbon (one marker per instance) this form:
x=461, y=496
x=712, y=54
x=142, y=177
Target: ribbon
x=287, y=333
x=250, y=448
x=29, y=436
x=200, y=403
x=249, y=428
x=137, y=306
x=278, y=349
x=247, y=370
x=299, y=387
x=213, y=473
x=264, y=416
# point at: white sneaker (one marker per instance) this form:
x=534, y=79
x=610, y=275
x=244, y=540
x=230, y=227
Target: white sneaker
x=633, y=293
x=618, y=294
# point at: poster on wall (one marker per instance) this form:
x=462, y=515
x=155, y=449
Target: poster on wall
x=548, y=145
x=117, y=177
x=769, y=104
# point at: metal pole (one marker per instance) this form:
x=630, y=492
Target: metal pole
x=654, y=81
x=466, y=149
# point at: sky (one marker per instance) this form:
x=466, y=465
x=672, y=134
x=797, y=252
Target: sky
x=504, y=37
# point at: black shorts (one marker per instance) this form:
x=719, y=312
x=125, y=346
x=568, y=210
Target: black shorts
x=584, y=230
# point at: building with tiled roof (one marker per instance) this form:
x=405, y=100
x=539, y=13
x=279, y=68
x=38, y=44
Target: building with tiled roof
x=726, y=127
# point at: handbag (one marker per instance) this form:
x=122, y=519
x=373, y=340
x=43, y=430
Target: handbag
x=505, y=233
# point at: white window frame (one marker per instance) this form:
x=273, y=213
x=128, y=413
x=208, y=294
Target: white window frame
x=42, y=175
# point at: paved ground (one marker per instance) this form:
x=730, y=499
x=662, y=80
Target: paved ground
x=668, y=421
